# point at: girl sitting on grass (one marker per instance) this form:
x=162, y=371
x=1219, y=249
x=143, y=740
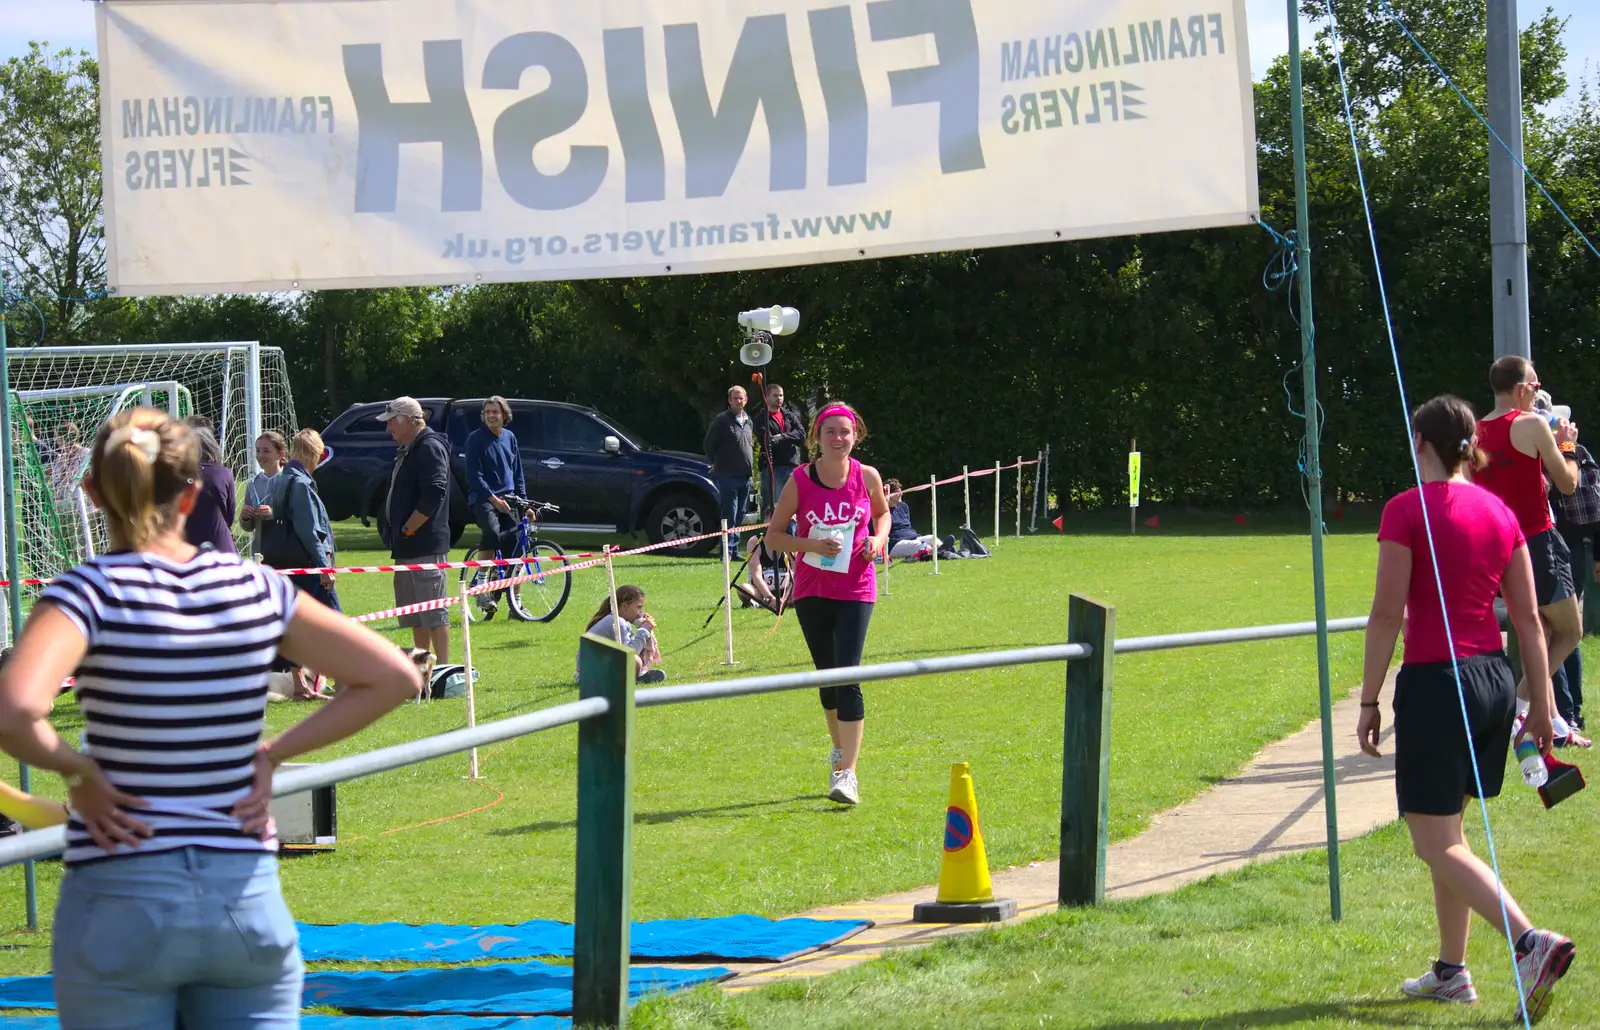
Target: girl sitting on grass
x=636, y=629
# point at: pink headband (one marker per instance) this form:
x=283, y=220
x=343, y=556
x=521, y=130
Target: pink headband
x=836, y=409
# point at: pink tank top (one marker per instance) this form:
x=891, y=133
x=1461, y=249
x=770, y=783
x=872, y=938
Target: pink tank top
x=845, y=513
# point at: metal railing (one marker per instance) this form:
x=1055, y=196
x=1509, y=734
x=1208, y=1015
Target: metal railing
x=604, y=714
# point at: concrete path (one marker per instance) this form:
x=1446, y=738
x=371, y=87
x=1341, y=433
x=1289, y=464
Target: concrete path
x=1272, y=808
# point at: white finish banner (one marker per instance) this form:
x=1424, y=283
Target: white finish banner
x=254, y=145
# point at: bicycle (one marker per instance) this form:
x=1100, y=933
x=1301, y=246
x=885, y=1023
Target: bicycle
x=536, y=600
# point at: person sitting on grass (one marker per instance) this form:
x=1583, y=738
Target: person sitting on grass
x=767, y=579
x=635, y=629
x=1455, y=695
x=904, y=541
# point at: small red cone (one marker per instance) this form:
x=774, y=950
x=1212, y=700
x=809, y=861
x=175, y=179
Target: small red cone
x=1241, y=520
x=1154, y=522
x=1057, y=523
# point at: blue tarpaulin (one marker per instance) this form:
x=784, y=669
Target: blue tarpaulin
x=361, y=1023
x=522, y=989
x=726, y=939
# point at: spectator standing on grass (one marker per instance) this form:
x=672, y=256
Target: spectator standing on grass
x=260, y=494
x=844, y=518
x=418, y=510
x=170, y=904
x=783, y=445
x=1454, y=709
x=729, y=442
x=1521, y=449
x=1577, y=518
x=494, y=471
x=307, y=516
x=211, y=521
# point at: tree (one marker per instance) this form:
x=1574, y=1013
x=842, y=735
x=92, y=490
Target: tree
x=50, y=223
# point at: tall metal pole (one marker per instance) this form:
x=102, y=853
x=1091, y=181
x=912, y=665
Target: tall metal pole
x=1308, y=366
x=1508, y=207
x=14, y=575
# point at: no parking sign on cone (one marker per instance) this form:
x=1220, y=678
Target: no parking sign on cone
x=965, y=892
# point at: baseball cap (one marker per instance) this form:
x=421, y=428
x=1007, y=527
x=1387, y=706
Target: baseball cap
x=401, y=407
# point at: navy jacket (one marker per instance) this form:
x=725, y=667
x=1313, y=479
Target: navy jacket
x=494, y=466
x=211, y=521
x=420, y=482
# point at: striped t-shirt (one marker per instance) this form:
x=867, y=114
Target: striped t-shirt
x=173, y=688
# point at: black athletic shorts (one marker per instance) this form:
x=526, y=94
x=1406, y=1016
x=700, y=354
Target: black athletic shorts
x=1552, y=567
x=1433, y=771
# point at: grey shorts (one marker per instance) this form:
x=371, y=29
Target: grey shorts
x=416, y=587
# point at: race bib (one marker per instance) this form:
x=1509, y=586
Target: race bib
x=845, y=533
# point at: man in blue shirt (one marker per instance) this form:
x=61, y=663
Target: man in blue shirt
x=494, y=471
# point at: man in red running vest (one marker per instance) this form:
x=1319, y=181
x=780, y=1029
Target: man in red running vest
x=1522, y=449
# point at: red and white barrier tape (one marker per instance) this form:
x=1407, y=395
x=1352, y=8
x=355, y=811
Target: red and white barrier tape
x=585, y=557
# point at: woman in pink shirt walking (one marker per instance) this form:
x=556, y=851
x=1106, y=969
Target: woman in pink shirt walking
x=1454, y=665
x=843, y=529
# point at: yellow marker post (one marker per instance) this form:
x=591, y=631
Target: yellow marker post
x=1133, y=487
x=966, y=894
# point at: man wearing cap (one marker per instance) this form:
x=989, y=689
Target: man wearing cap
x=418, y=509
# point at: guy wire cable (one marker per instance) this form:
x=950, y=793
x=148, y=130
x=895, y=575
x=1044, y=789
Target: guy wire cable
x=1427, y=527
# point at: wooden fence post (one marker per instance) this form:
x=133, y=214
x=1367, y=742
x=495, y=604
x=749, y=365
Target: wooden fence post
x=605, y=837
x=1086, y=754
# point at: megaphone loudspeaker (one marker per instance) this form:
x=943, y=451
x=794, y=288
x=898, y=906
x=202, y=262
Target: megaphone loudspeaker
x=755, y=354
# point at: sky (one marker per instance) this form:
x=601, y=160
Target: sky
x=71, y=23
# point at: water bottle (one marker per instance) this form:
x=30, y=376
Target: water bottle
x=1532, y=763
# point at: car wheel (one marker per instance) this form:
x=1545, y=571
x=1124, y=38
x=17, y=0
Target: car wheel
x=682, y=515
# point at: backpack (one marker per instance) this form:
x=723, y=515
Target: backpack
x=280, y=544
x=450, y=681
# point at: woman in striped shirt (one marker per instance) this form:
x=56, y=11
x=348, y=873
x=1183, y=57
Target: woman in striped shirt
x=170, y=903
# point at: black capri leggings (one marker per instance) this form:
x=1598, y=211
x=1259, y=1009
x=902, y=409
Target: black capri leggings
x=836, y=634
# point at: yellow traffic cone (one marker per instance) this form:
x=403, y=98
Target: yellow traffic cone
x=965, y=893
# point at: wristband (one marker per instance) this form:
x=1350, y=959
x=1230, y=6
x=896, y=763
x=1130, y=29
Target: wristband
x=1569, y=449
x=1369, y=704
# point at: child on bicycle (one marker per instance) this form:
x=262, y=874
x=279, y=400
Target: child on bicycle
x=636, y=629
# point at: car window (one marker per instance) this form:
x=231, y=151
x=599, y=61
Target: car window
x=364, y=423
x=568, y=430
x=525, y=422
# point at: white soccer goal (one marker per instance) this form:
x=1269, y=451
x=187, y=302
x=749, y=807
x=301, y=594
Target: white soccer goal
x=61, y=395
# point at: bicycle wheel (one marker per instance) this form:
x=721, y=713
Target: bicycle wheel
x=540, y=600
x=477, y=577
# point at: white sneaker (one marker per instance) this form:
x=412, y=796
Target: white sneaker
x=835, y=760
x=843, y=788
x=1458, y=988
x=1545, y=963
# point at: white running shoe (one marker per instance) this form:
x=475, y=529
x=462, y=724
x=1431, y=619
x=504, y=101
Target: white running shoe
x=1545, y=963
x=835, y=760
x=1458, y=988
x=843, y=788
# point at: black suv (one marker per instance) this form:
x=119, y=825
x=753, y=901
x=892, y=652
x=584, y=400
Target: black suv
x=604, y=477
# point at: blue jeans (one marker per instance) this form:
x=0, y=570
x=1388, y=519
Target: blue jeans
x=772, y=483
x=733, y=493
x=205, y=934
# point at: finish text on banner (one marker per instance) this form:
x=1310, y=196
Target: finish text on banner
x=252, y=145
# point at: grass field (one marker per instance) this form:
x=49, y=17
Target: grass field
x=730, y=809
x=1252, y=949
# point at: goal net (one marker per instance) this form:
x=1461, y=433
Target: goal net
x=61, y=395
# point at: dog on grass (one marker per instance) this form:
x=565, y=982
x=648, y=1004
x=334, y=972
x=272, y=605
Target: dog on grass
x=301, y=684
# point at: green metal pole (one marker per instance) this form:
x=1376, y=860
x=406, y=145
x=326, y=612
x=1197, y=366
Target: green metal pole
x=14, y=575
x=1308, y=367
